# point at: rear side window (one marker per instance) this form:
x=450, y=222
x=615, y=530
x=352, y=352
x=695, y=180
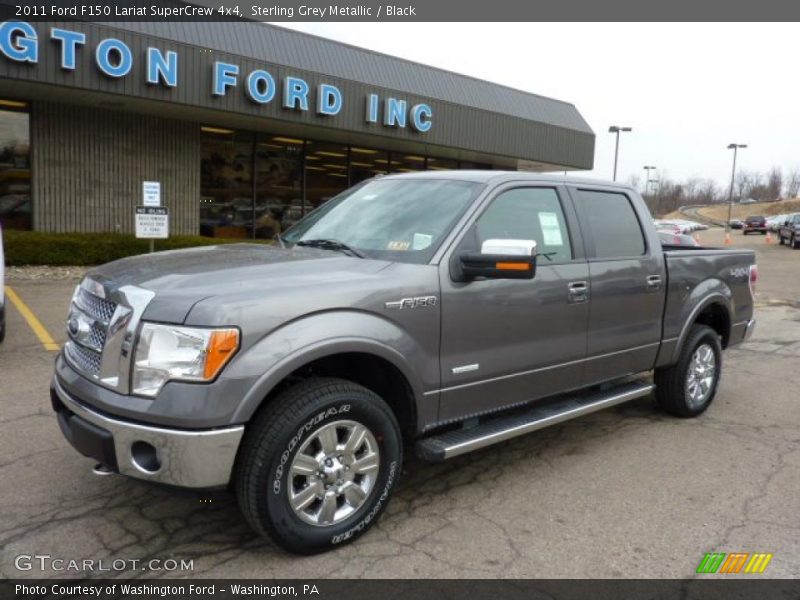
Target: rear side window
x=613, y=224
x=528, y=214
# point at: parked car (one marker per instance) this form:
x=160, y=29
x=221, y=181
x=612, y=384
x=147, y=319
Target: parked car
x=677, y=239
x=2, y=289
x=295, y=372
x=774, y=222
x=789, y=233
x=736, y=224
x=756, y=223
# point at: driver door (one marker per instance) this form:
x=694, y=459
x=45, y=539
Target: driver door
x=507, y=341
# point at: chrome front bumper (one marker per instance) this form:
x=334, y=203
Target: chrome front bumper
x=185, y=458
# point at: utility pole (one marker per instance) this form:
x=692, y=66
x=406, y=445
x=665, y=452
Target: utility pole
x=735, y=148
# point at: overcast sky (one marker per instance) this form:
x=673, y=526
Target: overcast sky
x=686, y=89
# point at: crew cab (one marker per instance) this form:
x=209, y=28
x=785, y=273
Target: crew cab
x=449, y=310
x=789, y=232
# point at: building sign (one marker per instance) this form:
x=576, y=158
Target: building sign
x=152, y=222
x=151, y=193
x=19, y=42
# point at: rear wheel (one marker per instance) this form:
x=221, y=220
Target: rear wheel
x=318, y=466
x=687, y=388
x=793, y=242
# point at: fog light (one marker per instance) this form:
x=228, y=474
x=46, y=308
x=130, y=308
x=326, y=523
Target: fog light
x=145, y=457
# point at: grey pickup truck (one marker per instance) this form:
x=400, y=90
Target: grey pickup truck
x=441, y=311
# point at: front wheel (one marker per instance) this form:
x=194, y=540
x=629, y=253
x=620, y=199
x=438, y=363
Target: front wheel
x=687, y=388
x=318, y=465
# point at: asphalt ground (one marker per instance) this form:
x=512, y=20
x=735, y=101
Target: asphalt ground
x=629, y=492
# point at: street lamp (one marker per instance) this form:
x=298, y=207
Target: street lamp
x=617, y=129
x=647, y=176
x=735, y=148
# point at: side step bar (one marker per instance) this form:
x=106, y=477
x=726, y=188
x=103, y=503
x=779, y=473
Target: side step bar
x=498, y=429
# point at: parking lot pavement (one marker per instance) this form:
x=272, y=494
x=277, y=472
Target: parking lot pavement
x=628, y=492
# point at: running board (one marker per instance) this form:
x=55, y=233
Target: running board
x=498, y=429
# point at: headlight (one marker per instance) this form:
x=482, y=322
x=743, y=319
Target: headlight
x=171, y=352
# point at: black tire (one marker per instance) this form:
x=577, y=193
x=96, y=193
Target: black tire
x=780, y=240
x=671, y=382
x=273, y=440
x=793, y=243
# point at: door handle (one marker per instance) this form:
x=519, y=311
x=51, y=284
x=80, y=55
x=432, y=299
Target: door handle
x=577, y=291
x=653, y=282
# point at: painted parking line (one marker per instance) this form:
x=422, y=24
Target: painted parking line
x=44, y=337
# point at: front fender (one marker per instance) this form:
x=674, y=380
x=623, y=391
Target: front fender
x=309, y=338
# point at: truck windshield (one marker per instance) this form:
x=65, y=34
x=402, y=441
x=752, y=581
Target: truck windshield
x=402, y=220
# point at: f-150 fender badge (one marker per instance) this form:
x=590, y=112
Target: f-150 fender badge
x=418, y=302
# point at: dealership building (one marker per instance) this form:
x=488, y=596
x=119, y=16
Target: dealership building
x=246, y=126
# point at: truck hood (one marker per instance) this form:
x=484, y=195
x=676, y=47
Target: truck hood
x=181, y=278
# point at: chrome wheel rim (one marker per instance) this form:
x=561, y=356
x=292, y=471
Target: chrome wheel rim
x=333, y=473
x=700, y=376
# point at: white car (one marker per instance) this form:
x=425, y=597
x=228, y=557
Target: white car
x=2, y=289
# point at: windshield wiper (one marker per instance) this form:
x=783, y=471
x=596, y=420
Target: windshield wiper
x=336, y=245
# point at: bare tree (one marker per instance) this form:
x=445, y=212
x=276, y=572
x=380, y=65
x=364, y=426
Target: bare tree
x=774, y=184
x=792, y=183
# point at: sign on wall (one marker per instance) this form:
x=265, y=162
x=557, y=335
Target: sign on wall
x=152, y=222
x=151, y=193
x=19, y=42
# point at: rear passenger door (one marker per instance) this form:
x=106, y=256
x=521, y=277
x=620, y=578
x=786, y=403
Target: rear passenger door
x=627, y=279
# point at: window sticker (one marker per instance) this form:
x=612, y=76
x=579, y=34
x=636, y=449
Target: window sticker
x=397, y=245
x=551, y=231
x=421, y=241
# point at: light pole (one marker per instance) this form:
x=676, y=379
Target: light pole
x=657, y=193
x=647, y=176
x=617, y=129
x=735, y=148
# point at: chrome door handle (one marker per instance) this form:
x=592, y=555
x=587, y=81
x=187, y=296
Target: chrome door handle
x=577, y=291
x=653, y=282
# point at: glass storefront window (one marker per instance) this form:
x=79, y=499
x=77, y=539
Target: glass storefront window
x=406, y=163
x=366, y=163
x=15, y=166
x=226, y=183
x=442, y=164
x=279, y=184
x=326, y=172
x=258, y=184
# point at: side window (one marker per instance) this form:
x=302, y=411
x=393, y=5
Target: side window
x=527, y=214
x=612, y=221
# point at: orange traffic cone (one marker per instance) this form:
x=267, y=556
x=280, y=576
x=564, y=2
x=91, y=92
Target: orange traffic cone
x=727, y=239
x=768, y=239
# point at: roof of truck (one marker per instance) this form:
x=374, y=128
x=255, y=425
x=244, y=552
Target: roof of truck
x=486, y=176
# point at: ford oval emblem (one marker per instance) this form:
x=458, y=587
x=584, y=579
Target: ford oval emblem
x=73, y=326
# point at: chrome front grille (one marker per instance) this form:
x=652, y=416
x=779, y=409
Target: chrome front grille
x=102, y=328
x=94, y=306
x=87, y=327
x=84, y=359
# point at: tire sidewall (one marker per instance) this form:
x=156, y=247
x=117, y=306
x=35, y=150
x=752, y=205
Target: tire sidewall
x=708, y=336
x=275, y=478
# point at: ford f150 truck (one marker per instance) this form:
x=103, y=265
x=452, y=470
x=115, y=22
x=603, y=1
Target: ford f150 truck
x=452, y=310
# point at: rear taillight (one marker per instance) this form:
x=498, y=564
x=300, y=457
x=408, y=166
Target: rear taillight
x=753, y=279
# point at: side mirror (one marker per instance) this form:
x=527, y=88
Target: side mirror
x=499, y=259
